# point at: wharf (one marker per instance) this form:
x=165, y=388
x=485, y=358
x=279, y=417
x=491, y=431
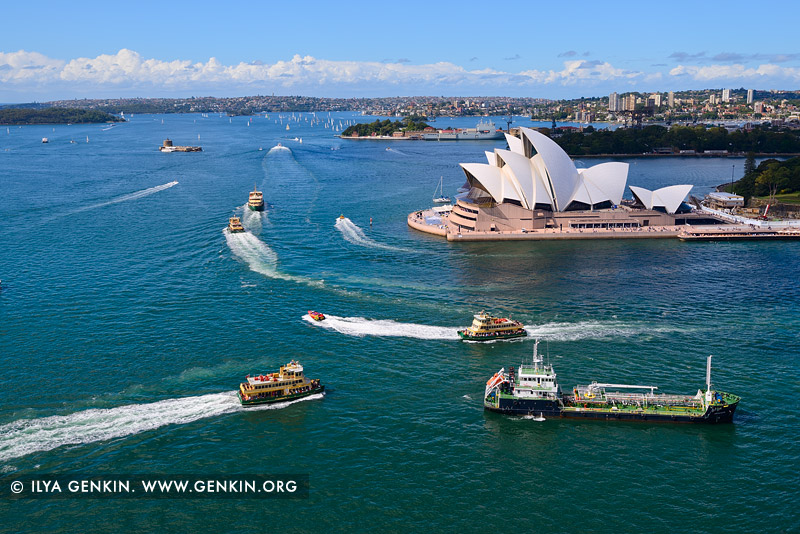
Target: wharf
x=736, y=233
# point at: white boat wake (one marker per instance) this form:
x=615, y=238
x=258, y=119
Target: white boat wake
x=253, y=220
x=588, y=330
x=360, y=326
x=124, y=198
x=27, y=436
x=352, y=233
x=260, y=258
x=279, y=148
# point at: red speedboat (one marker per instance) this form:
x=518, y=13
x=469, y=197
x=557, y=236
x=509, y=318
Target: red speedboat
x=317, y=316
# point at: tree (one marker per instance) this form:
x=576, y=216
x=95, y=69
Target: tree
x=775, y=178
x=750, y=164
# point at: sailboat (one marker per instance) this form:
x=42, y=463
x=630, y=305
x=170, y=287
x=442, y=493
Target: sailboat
x=441, y=199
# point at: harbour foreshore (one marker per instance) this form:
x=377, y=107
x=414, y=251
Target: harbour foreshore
x=430, y=222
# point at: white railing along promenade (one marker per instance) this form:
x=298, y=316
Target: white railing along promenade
x=738, y=219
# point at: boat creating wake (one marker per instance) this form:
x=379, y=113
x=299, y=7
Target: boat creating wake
x=361, y=326
x=124, y=198
x=354, y=234
x=27, y=436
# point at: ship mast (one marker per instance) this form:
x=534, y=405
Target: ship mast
x=536, y=358
x=708, y=380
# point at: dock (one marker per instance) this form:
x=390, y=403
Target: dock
x=737, y=233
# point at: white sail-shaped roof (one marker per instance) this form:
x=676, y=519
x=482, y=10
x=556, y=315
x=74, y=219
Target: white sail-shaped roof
x=669, y=198
x=486, y=177
x=608, y=177
x=520, y=170
x=514, y=144
x=535, y=170
x=560, y=169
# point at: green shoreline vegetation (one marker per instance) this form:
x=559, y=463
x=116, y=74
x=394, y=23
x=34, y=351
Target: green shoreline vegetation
x=662, y=140
x=772, y=180
x=26, y=116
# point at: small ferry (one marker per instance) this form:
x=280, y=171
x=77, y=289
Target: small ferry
x=256, y=200
x=317, y=316
x=341, y=216
x=533, y=390
x=289, y=383
x=487, y=328
x=235, y=225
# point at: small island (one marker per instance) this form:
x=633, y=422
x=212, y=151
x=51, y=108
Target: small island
x=385, y=128
x=26, y=116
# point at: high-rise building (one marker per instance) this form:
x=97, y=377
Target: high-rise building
x=712, y=99
x=629, y=102
x=726, y=95
x=671, y=99
x=654, y=100
x=749, y=96
x=613, y=102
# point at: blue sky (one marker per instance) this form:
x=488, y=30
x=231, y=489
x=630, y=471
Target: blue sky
x=87, y=49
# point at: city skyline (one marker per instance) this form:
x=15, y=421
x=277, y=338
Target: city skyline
x=97, y=50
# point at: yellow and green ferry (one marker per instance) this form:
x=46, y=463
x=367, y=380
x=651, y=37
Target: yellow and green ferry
x=287, y=384
x=256, y=200
x=488, y=328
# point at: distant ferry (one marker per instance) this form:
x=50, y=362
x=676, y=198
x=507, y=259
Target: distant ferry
x=487, y=328
x=533, y=390
x=287, y=384
x=235, y=225
x=482, y=131
x=256, y=201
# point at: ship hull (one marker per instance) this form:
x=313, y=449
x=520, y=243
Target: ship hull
x=468, y=337
x=283, y=398
x=257, y=207
x=520, y=407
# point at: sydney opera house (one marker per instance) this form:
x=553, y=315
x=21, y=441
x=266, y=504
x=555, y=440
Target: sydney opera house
x=534, y=187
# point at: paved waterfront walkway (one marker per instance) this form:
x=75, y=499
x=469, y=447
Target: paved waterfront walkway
x=417, y=220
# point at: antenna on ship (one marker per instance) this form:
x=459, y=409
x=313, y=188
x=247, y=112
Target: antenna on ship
x=708, y=379
x=536, y=358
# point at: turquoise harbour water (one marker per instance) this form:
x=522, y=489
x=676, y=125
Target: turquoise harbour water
x=128, y=319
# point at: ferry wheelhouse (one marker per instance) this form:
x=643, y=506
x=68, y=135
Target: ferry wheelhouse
x=289, y=383
x=487, y=328
x=235, y=225
x=533, y=390
x=256, y=200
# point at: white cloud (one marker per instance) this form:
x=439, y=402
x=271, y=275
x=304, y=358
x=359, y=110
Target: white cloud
x=127, y=71
x=127, y=68
x=25, y=66
x=736, y=72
